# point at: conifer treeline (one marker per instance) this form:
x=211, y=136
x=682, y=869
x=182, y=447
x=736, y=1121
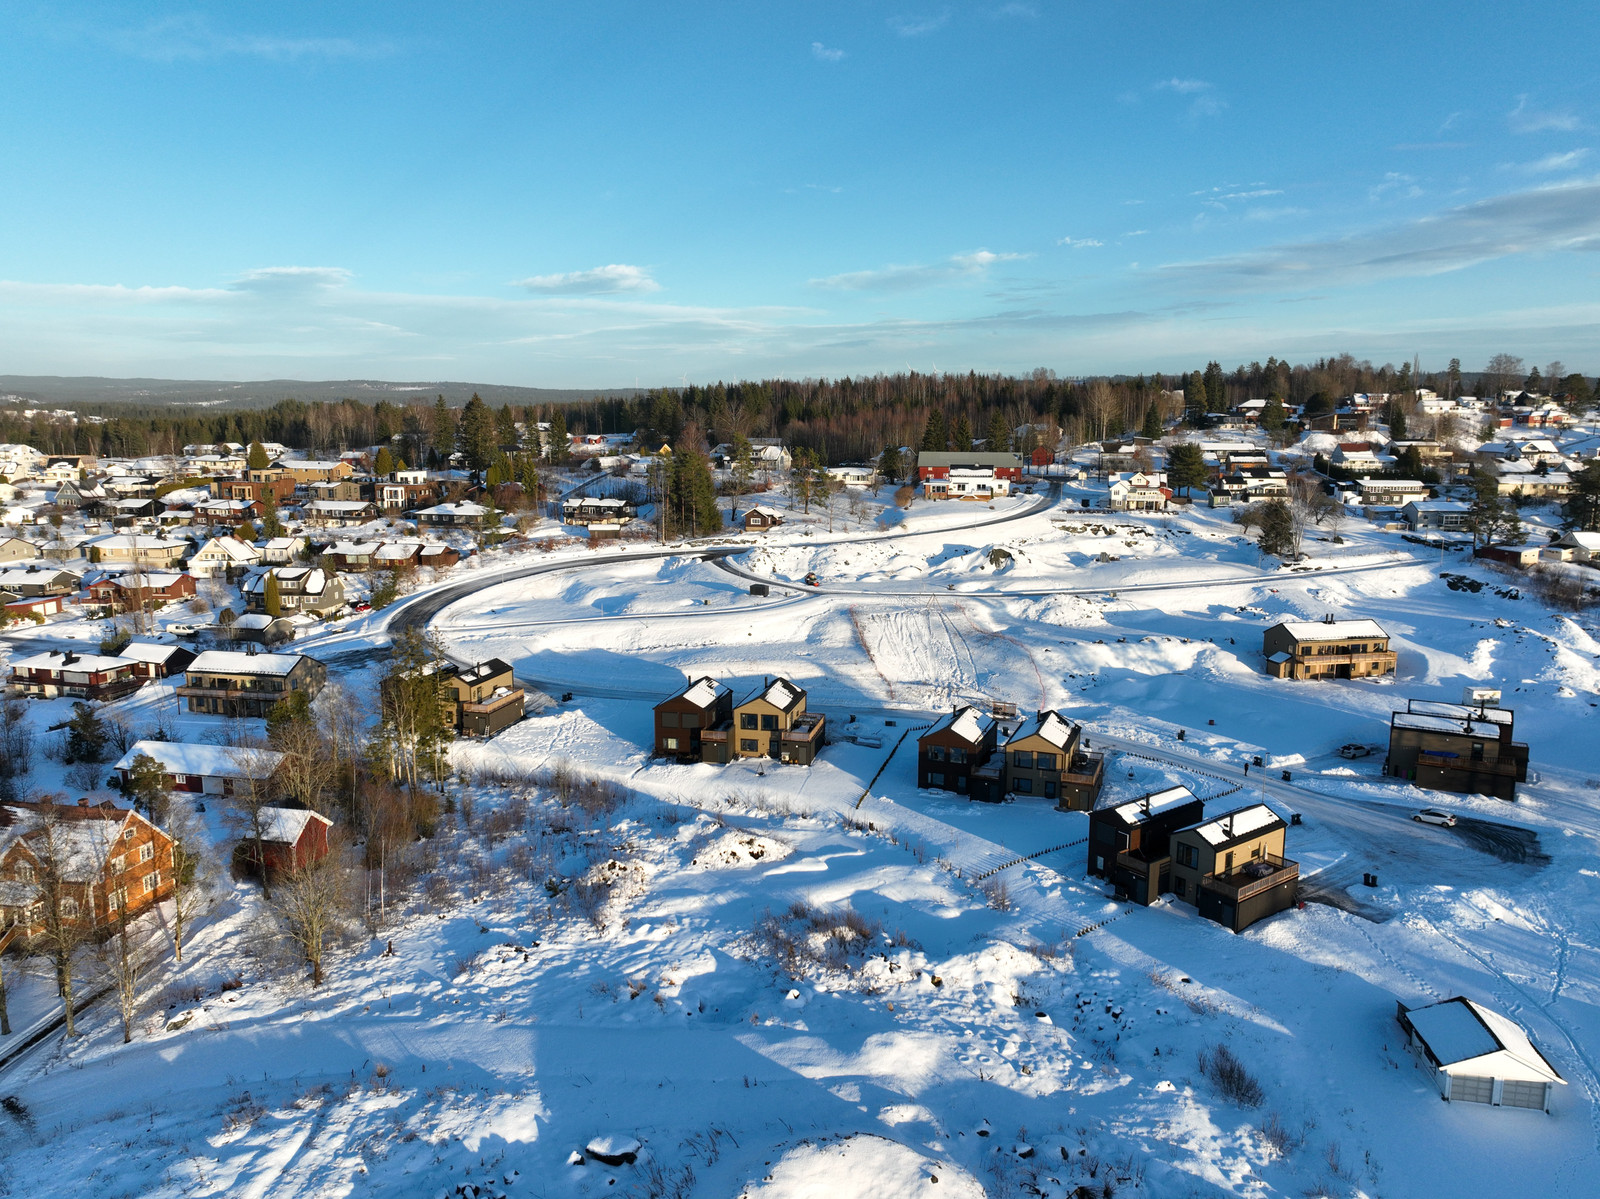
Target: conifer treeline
x=840, y=420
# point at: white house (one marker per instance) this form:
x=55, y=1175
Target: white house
x=1139, y=491
x=966, y=483
x=1576, y=546
x=217, y=557
x=1477, y=1055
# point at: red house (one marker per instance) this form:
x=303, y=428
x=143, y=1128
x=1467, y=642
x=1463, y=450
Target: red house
x=292, y=838
x=934, y=465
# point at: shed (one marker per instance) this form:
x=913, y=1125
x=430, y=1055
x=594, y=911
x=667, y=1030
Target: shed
x=293, y=837
x=1478, y=1055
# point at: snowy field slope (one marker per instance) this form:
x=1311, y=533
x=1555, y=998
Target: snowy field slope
x=676, y=968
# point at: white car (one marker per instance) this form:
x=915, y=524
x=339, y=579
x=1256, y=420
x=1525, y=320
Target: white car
x=1434, y=816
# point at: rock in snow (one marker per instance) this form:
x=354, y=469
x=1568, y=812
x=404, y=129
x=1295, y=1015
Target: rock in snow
x=613, y=1150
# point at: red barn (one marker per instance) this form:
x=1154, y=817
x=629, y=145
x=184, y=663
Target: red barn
x=292, y=838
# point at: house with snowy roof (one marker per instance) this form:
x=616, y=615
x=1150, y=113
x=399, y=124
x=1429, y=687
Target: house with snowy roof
x=954, y=748
x=1138, y=491
x=1476, y=1055
x=1130, y=843
x=682, y=718
x=1231, y=868
x=1043, y=758
x=770, y=722
x=1575, y=546
x=202, y=769
x=1327, y=649
x=1467, y=748
x=220, y=557
x=759, y=518
x=75, y=676
x=229, y=683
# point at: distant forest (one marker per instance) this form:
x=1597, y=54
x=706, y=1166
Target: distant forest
x=840, y=420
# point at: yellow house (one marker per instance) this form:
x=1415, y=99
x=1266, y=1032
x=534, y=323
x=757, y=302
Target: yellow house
x=1232, y=868
x=771, y=722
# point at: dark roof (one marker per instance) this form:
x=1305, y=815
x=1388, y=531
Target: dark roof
x=484, y=671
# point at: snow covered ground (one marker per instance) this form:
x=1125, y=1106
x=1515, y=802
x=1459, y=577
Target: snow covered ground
x=1003, y=1027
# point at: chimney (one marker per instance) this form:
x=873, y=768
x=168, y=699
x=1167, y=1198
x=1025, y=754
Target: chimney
x=83, y=803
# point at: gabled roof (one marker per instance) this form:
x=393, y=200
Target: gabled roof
x=1337, y=630
x=1459, y=1032
x=222, y=661
x=1139, y=810
x=55, y=660
x=1048, y=725
x=1235, y=825
x=209, y=761
x=283, y=826
x=702, y=692
x=780, y=693
x=145, y=651
x=965, y=722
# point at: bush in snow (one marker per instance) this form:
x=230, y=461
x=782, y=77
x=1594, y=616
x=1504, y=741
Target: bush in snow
x=1228, y=1075
x=806, y=936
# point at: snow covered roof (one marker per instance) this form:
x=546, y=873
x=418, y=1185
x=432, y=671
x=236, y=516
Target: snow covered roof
x=221, y=661
x=1438, y=707
x=1047, y=725
x=209, y=761
x=1234, y=825
x=965, y=722
x=1154, y=804
x=338, y=505
x=145, y=651
x=128, y=541
x=1337, y=630
x=764, y=510
x=464, y=508
x=54, y=660
x=1439, y=506
x=781, y=693
x=229, y=547
x=284, y=825
x=353, y=547
x=1460, y=1034
x=1581, y=540
x=702, y=692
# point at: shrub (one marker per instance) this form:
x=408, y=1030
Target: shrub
x=1228, y=1075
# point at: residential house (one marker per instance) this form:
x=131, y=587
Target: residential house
x=680, y=719
x=405, y=490
x=338, y=489
x=1390, y=493
x=41, y=605
x=339, y=513
x=311, y=470
x=1130, y=844
x=1359, y=458
x=1138, y=491
x=130, y=487
x=72, y=495
x=1043, y=758
x=854, y=474
x=1457, y=747
x=351, y=556
x=1447, y=515
x=15, y=549
x=480, y=700
x=1575, y=546
x=281, y=551
x=605, y=514
x=1248, y=482
x=291, y=839
x=770, y=722
x=1327, y=649
x=300, y=589
x=1521, y=556
x=228, y=463
x=138, y=590
x=254, y=490
x=223, y=557
x=1535, y=484
x=153, y=661
x=203, y=769
x=257, y=628
x=954, y=748
x=39, y=580
x=759, y=518
x=771, y=456
x=110, y=862
x=968, y=474
x=1231, y=867
x=74, y=676
x=1476, y=1055
x=464, y=514
x=228, y=683
x=137, y=549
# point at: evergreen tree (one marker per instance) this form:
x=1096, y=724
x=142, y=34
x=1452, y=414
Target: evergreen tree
x=528, y=476
x=691, y=494
x=935, y=435
x=803, y=478
x=1582, y=510
x=444, y=431
x=1194, y=396
x=1216, y=388
x=86, y=735
x=258, y=457
x=1273, y=416
x=890, y=464
x=272, y=595
x=271, y=525
x=505, y=426
x=1277, y=529
x=1186, y=466
x=475, y=436
x=744, y=469
x=1452, y=379
x=998, y=440
x=383, y=464
x=1534, y=381
x=1397, y=420
x=1152, y=423
x=1489, y=517
x=560, y=440
x=147, y=786
x=961, y=438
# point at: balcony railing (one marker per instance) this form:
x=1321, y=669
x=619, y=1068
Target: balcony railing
x=1086, y=770
x=1252, y=877
x=494, y=703
x=807, y=728
x=1505, y=766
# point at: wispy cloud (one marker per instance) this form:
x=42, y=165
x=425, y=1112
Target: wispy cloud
x=914, y=277
x=1550, y=163
x=1203, y=98
x=597, y=281
x=1184, y=87
x=1562, y=217
x=1526, y=119
x=1080, y=243
x=285, y=280
x=825, y=53
x=1397, y=182
x=1405, y=147
x=920, y=25
x=1273, y=214
x=192, y=37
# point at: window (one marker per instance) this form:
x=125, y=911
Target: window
x=146, y=852
x=1227, y=867
x=935, y=753
x=691, y=720
x=1044, y=761
x=959, y=756
x=1022, y=759
x=1022, y=785
x=669, y=720
x=69, y=908
x=935, y=779
x=769, y=723
x=1187, y=855
x=1050, y=788
x=747, y=720
x=127, y=834
x=749, y=745
x=669, y=742
x=152, y=880
x=1179, y=887
x=25, y=872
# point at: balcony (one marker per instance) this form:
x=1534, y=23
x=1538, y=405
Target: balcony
x=806, y=729
x=231, y=689
x=1087, y=770
x=1252, y=878
x=494, y=703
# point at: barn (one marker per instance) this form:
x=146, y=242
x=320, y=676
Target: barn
x=293, y=837
x=1478, y=1056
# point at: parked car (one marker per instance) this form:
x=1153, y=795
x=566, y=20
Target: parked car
x=1354, y=751
x=362, y=606
x=1434, y=816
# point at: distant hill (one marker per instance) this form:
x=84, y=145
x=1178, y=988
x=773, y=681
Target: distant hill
x=57, y=391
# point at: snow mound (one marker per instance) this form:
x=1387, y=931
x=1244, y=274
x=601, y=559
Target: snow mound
x=861, y=1167
x=739, y=849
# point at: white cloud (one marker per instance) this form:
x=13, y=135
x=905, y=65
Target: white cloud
x=1550, y=163
x=282, y=280
x=1543, y=220
x=1184, y=87
x=1079, y=243
x=913, y=277
x=600, y=280
x=1203, y=100
x=1524, y=119
x=825, y=53
x=192, y=37
x=919, y=26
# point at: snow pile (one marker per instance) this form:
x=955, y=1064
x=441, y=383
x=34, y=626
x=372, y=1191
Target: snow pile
x=861, y=1167
x=739, y=849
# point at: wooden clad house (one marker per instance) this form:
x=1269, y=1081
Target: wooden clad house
x=1043, y=758
x=96, y=861
x=681, y=718
x=228, y=683
x=1130, y=844
x=759, y=518
x=1457, y=747
x=75, y=676
x=482, y=699
x=954, y=748
x=1232, y=868
x=770, y=722
x=1328, y=649
x=291, y=838
x=154, y=661
x=200, y=768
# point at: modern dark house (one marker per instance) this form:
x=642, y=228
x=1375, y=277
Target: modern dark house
x=703, y=704
x=1457, y=747
x=954, y=749
x=1130, y=845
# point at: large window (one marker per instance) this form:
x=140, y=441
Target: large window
x=1022, y=785
x=935, y=753
x=669, y=743
x=747, y=720
x=1044, y=761
x=769, y=723
x=1187, y=855
x=1022, y=759
x=749, y=745
x=669, y=720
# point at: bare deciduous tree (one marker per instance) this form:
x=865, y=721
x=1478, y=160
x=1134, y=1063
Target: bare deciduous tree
x=54, y=843
x=254, y=793
x=312, y=902
x=193, y=871
x=123, y=959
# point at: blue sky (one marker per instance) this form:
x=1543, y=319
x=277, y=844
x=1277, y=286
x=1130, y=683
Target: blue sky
x=599, y=194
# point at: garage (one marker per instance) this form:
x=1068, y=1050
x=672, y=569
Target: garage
x=1477, y=1055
